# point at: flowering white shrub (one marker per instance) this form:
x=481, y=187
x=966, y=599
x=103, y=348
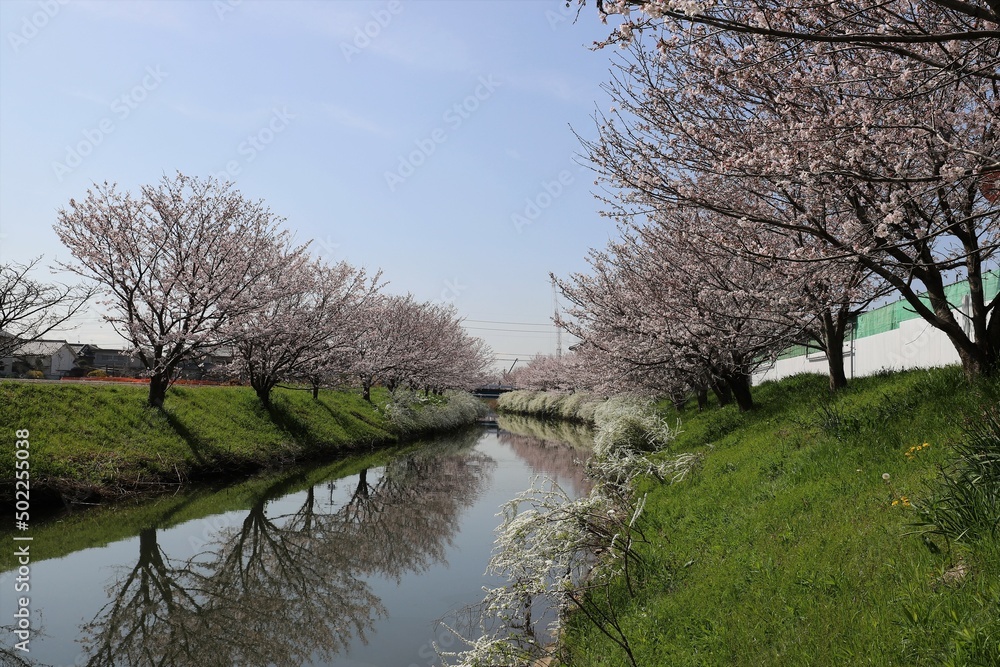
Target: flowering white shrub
x=628, y=423
x=411, y=412
x=551, y=547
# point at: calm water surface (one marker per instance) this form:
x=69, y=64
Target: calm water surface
x=355, y=567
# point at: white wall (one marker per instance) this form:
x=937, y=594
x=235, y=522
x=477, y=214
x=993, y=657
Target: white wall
x=915, y=344
x=62, y=362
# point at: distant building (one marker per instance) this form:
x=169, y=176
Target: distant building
x=53, y=358
x=215, y=365
x=114, y=362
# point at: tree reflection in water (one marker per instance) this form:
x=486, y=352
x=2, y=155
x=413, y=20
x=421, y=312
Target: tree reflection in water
x=288, y=589
x=554, y=448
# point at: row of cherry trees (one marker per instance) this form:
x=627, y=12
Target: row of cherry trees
x=772, y=170
x=189, y=266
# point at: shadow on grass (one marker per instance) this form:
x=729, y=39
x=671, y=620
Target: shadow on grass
x=348, y=420
x=291, y=423
x=197, y=448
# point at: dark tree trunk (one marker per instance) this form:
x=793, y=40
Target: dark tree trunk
x=158, y=389
x=838, y=377
x=739, y=383
x=366, y=391
x=265, y=397
x=702, y=399
x=315, y=391
x=722, y=392
x=362, y=489
x=834, y=330
x=679, y=401
x=263, y=389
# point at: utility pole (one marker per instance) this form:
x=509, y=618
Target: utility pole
x=555, y=318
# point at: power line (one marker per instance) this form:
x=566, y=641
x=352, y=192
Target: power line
x=527, y=331
x=529, y=324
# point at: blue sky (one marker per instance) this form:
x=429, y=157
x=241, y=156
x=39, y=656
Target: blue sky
x=429, y=139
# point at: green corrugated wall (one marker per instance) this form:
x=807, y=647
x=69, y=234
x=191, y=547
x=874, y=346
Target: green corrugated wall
x=887, y=317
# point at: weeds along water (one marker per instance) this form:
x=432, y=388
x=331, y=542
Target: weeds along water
x=787, y=546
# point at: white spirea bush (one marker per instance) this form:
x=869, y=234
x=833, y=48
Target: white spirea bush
x=411, y=412
x=578, y=406
x=552, y=547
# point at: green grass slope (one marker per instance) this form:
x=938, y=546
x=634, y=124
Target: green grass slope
x=789, y=548
x=100, y=526
x=104, y=439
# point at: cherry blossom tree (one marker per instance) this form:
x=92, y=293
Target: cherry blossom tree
x=452, y=358
x=807, y=142
x=312, y=310
x=964, y=33
x=388, y=348
x=661, y=298
x=30, y=309
x=419, y=345
x=568, y=372
x=177, y=263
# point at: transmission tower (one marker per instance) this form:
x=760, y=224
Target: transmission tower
x=555, y=318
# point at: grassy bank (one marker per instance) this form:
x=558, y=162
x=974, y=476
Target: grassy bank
x=104, y=441
x=113, y=522
x=788, y=547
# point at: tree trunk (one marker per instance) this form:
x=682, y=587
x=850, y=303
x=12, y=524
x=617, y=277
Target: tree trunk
x=832, y=333
x=702, y=399
x=158, y=384
x=315, y=386
x=722, y=392
x=362, y=489
x=366, y=391
x=264, y=395
x=739, y=383
x=263, y=388
x=838, y=378
x=974, y=364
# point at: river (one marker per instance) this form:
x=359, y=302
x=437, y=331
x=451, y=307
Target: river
x=351, y=564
